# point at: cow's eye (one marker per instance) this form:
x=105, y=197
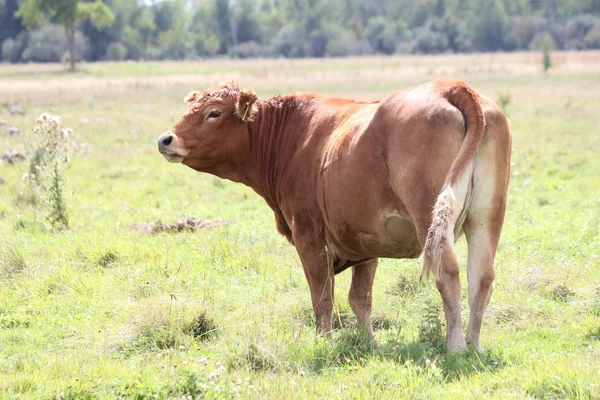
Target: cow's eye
x=213, y=114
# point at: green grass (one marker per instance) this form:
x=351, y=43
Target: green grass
x=104, y=311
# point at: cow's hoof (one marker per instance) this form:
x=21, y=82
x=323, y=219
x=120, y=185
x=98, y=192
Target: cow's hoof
x=473, y=345
x=457, y=347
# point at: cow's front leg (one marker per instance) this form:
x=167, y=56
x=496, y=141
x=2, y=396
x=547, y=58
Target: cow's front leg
x=360, y=296
x=320, y=276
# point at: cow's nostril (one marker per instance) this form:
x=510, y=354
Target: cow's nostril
x=167, y=140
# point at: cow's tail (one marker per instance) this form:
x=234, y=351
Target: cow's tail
x=463, y=97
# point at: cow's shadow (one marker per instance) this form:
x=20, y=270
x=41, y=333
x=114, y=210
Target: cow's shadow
x=350, y=346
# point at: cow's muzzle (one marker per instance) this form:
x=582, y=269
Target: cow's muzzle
x=171, y=147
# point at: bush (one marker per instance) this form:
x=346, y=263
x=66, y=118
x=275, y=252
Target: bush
x=339, y=43
x=289, y=42
x=12, y=49
x=173, y=44
x=207, y=46
x=7, y=51
x=525, y=28
x=575, y=44
x=361, y=48
x=592, y=39
x=537, y=43
x=331, y=41
x=49, y=44
x=116, y=52
x=504, y=98
x=245, y=50
x=578, y=27
x=559, y=35
x=384, y=35
x=317, y=42
x=132, y=41
x=427, y=41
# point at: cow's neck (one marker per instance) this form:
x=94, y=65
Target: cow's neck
x=277, y=132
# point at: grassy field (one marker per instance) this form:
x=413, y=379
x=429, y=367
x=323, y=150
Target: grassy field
x=104, y=310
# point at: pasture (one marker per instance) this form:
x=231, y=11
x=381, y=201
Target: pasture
x=106, y=310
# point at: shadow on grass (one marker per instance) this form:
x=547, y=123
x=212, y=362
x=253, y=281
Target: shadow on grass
x=352, y=347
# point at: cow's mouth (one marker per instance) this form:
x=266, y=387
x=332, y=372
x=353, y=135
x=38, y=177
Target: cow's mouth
x=172, y=157
x=171, y=147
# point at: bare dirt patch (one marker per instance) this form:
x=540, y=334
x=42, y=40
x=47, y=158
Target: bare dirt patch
x=186, y=224
x=13, y=157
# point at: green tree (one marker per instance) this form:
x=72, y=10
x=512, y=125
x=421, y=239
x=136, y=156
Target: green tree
x=67, y=13
x=244, y=24
x=9, y=25
x=491, y=28
x=223, y=19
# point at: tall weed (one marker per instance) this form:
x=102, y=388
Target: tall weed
x=47, y=148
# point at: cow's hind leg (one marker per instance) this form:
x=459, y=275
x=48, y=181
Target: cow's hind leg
x=448, y=284
x=360, y=296
x=482, y=230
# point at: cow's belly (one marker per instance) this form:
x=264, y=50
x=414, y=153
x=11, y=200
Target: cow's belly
x=390, y=235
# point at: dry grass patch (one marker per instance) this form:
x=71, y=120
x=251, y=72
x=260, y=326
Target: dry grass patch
x=172, y=326
x=186, y=224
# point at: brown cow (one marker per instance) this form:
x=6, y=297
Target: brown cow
x=350, y=181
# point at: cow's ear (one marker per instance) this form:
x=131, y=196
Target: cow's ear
x=192, y=96
x=246, y=108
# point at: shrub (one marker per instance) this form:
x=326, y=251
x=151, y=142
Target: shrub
x=361, y=48
x=504, y=98
x=7, y=50
x=384, y=35
x=538, y=41
x=247, y=50
x=207, y=46
x=12, y=49
x=575, y=44
x=289, y=42
x=116, y=52
x=427, y=41
x=338, y=43
x=174, y=45
x=526, y=27
x=49, y=44
x=592, y=39
x=578, y=27
x=331, y=41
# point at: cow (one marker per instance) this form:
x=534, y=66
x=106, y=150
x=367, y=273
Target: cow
x=351, y=181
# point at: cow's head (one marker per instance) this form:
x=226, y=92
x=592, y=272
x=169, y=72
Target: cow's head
x=213, y=125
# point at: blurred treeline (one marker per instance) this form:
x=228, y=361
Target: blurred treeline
x=188, y=29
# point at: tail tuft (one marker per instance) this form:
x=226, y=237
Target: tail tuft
x=437, y=235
